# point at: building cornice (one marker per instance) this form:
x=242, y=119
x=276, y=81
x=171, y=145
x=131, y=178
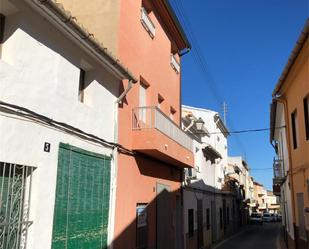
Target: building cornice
x=55, y=12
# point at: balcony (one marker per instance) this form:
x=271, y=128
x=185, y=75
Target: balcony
x=156, y=135
x=278, y=172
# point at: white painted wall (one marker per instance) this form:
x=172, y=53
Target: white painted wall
x=210, y=173
x=285, y=200
x=207, y=173
x=39, y=70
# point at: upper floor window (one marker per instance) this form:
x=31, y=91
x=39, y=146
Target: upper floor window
x=147, y=23
x=82, y=86
x=160, y=101
x=175, y=64
x=172, y=113
x=306, y=116
x=294, y=129
x=2, y=22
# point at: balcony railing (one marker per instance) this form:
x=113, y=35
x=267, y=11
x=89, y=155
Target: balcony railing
x=150, y=117
x=278, y=170
x=175, y=64
x=147, y=23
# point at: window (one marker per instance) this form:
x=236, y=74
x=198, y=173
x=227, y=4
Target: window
x=172, y=113
x=2, y=19
x=160, y=100
x=190, y=223
x=81, y=89
x=306, y=114
x=143, y=102
x=147, y=23
x=15, y=186
x=207, y=219
x=141, y=225
x=294, y=129
x=174, y=63
x=221, y=218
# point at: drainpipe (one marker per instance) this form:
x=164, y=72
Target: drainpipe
x=115, y=168
x=287, y=127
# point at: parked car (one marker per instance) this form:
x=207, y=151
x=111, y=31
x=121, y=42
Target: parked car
x=256, y=218
x=267, y=217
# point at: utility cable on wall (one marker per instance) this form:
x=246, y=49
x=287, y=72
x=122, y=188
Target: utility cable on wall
x=41, y=119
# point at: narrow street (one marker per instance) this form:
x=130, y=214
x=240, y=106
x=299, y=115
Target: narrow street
x=255, y=237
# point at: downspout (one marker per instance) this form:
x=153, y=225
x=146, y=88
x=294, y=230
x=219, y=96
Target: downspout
x=115, y=168
x=284, y=102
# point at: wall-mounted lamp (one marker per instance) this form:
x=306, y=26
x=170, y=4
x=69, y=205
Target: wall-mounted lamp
x=199, y=124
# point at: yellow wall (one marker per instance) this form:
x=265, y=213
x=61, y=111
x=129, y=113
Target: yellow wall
x=99, y=17
x=295, y=89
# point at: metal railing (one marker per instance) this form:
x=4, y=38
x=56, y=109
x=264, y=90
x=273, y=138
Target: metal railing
x=15, y=187
x=175, y=64
x=151, y=117
x=278, y=170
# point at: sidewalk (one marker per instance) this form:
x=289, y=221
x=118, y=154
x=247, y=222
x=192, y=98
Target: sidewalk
x=280, y=241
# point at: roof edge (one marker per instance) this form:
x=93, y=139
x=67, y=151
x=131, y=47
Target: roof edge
x=90, y=43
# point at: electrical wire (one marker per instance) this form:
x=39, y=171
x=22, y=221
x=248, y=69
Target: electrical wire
x=249, y=130
x=34, y=116
x=200, y=61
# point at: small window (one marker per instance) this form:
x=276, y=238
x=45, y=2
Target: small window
x=190, y=222
x=15, y=189
x=160, y=100
x=2, y=19
x=175, y=64
x=141, y=225
x=207, y=219
x=306, y=114
x=294, y=129
x=172, y=113
x=81, y=94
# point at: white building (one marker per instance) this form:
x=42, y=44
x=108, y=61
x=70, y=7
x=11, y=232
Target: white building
x=203, y=196
x=281, y=185
x=58, y=113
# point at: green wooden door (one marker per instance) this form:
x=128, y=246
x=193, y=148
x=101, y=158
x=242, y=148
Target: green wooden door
x=82, y=200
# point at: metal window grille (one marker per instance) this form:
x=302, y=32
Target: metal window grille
x=15, y=185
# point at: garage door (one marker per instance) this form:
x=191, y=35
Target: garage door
x=82, y=200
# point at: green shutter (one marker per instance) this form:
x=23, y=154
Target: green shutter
x=82, y=200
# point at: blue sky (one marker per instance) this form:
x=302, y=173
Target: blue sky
x=244, y=44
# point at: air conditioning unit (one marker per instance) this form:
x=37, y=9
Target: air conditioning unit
x=190, y=174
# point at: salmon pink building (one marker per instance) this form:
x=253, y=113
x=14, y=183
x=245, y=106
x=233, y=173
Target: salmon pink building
x=148, y=196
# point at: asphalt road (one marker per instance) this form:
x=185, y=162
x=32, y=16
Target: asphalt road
x=254, y=237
